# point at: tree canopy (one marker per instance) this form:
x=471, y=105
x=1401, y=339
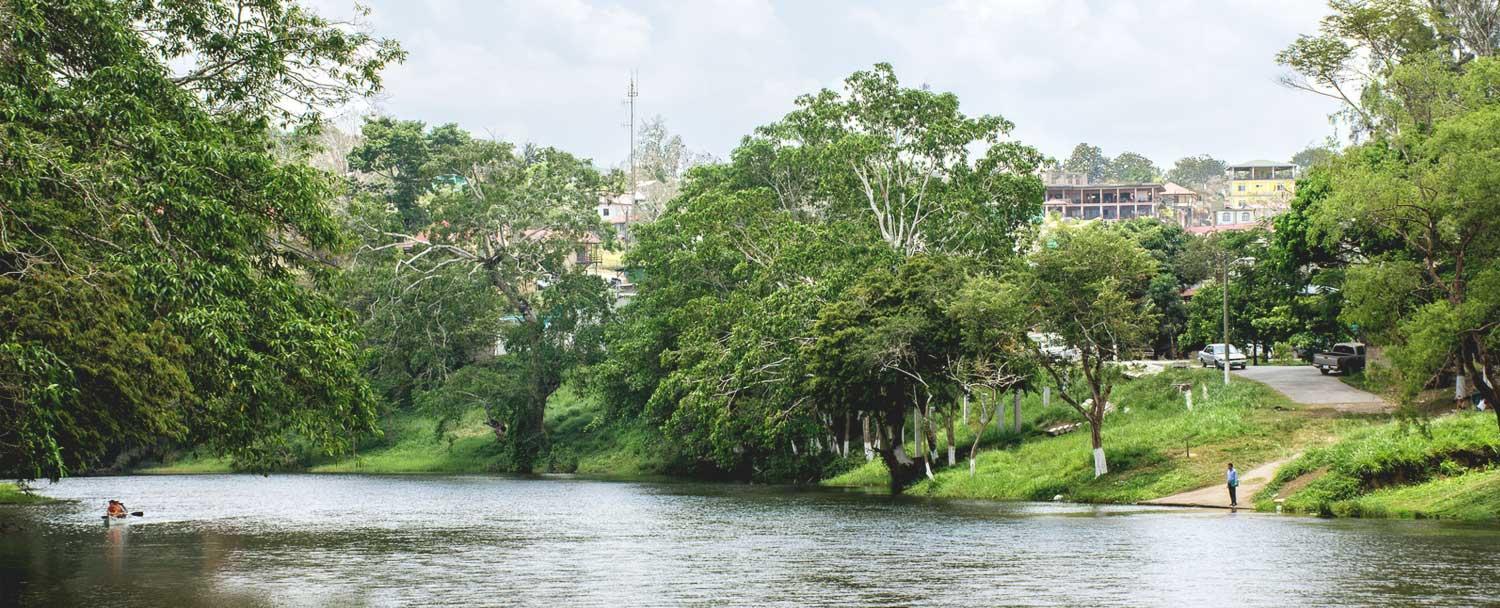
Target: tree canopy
x=157, y=261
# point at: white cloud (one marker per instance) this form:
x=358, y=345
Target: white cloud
x=1166, y=78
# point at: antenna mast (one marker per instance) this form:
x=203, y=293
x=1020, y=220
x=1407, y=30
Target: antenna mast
x=630, y=94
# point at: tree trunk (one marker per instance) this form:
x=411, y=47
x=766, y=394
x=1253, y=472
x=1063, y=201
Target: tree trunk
x=864, y=432
x=1016, y=411
x=1095, y=427
x=952, y=456
x=904, y=471
x=930, y=428
x=845, y=453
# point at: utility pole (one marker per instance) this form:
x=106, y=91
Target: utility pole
x=1224, y=289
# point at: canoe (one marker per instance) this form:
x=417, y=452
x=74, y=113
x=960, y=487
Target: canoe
x=117, y=521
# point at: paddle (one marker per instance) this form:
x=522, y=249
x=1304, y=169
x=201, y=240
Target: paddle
x=138, y=513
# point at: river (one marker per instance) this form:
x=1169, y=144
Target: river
x=357, y=540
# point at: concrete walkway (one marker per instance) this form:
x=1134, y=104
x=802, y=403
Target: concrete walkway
x=1303, y=384
x=1217, y=496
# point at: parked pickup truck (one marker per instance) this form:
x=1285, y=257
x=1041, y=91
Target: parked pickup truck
x=1345, y=358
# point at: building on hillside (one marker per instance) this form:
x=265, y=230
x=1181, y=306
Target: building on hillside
x=1184, y=206
x=1258, y=191
x=1104, y=201
x=619, y=212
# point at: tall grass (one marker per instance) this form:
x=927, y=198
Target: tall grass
x=1390, y=455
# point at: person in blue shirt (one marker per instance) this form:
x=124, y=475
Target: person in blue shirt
x=1233, y=477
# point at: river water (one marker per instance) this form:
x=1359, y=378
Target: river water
x=355, y=540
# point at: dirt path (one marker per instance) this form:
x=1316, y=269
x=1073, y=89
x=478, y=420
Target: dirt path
x=1217, y=496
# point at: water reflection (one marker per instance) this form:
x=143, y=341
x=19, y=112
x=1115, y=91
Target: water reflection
x=391, y=541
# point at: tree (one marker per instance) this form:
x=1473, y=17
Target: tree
x=1086, y=287
x=1424, y=177
x=1312, y=156
x=1132, y=168
x=1089, y=161
x=1200, y=172
x=661, y=161
x=1170, y=246
x=888, y=348
x=901, y=159
x=399, y=152
x=158, y=264
x=524, y=221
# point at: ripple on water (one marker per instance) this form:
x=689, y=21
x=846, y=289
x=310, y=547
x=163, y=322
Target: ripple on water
x=351, y=540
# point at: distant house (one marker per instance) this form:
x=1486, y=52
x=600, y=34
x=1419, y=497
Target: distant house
x=1258, y=191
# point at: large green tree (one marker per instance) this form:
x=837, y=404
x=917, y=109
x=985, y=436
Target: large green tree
x=523, y=222
x=156, y=260
x=1088, y=161
x=400, y=153
x=1086, y=287
x=1417, y=83
x=1132, y=168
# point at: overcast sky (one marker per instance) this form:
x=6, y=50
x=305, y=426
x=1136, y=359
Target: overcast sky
x=1166, y=78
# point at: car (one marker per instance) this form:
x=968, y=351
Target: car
x=1213, y=354
x=1345, y=358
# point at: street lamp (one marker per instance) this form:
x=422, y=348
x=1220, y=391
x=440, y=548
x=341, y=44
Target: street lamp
x=1224, y=291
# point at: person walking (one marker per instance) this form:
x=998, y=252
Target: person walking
x=1233, y=477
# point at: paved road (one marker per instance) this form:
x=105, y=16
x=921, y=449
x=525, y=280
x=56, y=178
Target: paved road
x=1217, y=496
x=1303, y=384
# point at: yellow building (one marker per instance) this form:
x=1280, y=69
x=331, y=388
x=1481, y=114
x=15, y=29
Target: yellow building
x=1258, y=191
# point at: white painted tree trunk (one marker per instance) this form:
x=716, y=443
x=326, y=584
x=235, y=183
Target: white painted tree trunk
x=1000, y=414
x=1458, y=388
x=1046, y=397
x=1100, y=466
x=971, y=467
x=928, y=465
x=901, y=456
x=1016, y=411
x=1189, y=395
x=966, y=408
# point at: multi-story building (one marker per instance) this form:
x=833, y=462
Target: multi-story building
x=1258, y=191
x=1104, y=201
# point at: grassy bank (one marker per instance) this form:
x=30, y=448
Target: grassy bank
x=11, y=494
x=1447, y=470
x=581, y=443
x=1147, y=440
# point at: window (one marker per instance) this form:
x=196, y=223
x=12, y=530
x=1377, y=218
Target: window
x=1242, y=187
x=1226, y=217
x=1244, y=216
x=1280, y=187
x=604, y=212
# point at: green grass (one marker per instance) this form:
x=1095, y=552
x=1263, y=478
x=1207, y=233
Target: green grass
x=11, y=494
x=191, y=464
x=1473, y=494
x=1147, y=446
x=581, y=442
x=1396, y=469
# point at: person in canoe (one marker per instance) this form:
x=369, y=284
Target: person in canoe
x=117, y=510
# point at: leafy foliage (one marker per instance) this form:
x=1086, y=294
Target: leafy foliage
x=156, y=259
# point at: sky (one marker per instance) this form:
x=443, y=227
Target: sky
x=1165, y=78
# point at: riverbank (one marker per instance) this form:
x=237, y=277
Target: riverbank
x=12, y=494
x=1448, y=469
x=411, y=444
x=1155, y=446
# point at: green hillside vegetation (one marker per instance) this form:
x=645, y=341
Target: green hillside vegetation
x=1446, y=469
x=1147, y=438
x=411, y=443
